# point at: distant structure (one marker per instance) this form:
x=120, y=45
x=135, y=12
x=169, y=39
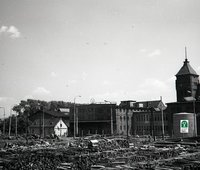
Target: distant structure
x=141, y=118
x=93, y=119
x=188, y=98
x=47, y=123
x=187, y=82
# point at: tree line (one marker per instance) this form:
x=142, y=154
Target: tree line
x=24, y=110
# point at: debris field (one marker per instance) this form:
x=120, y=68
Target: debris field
x=96, y=152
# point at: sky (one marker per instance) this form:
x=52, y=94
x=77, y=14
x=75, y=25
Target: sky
x=100, y=49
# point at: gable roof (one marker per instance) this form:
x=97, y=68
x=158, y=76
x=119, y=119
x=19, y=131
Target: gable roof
x=186, y=69
x=54, y=113
x=57, y=114
x=58, y=124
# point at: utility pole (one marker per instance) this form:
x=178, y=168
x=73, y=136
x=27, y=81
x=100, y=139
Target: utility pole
x=16, y=125
x=27, y=119
x=163, y=127
x=3, y=120
x=194, y=110
x=152, y=123
x=43, y=122
x=9, y=130
x=75, y=121
x=111, y=118
x=127, y=124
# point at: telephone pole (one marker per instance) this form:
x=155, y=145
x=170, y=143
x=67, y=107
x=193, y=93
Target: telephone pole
x=3, y=120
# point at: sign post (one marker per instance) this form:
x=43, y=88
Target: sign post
x=184, y=126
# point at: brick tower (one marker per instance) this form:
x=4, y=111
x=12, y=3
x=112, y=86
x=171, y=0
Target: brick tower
x=187, y=81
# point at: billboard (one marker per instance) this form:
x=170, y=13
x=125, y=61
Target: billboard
x=184, y=126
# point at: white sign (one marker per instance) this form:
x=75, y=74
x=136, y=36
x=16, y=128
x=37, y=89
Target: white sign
x=184, y=126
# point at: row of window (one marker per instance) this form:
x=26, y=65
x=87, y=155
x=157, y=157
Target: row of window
x=145, y=117
x=124, y=118
x=94, y=110
x=142, y=117
x=124, y=127
x=143, y=128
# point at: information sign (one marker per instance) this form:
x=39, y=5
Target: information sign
x=184, y=126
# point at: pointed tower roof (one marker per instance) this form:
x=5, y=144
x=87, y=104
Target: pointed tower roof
x=186, y=69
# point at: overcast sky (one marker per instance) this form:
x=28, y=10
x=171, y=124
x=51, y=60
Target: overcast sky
x=100, y=49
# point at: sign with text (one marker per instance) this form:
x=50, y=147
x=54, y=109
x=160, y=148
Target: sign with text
x=184, y=126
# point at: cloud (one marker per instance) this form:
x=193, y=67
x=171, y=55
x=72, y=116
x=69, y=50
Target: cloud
x=3, y=29
x=149, y=53
x=155, y=53
x=3, y=99
x=84, y=76
x=53, y=74
x=28, y=97
x=171, y=79
x=152, y=89
x=12, y=31
x=106, y=83
x=143, y=50
x=154, y=83
x=70, y=82
x=198, y=68
x=41, y=91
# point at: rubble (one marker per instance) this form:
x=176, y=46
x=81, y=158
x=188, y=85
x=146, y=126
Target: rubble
x=100, y=153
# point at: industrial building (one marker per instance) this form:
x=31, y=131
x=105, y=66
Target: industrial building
x=93, y=119
x=188, y=101
x=141, y=118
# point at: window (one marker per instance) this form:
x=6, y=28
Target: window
x=141, y=105
x=147, y=117
x=60, y=124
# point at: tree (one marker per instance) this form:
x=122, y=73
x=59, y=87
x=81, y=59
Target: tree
x=27, y=108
